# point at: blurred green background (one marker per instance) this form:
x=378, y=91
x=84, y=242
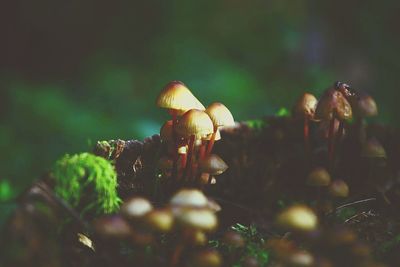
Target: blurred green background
x=73, y=72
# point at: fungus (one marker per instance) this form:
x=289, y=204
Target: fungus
x=305, y=109
x=192, y=198
x=135, y=208
x=194, y=124
x=220, y=116
x=178, y=99
x=339, y=188
x=197, y=219
x=159, y=220
x=298, y=218
x=212, y=165
x=332, y=106
x=373, y=149
x=319, y=177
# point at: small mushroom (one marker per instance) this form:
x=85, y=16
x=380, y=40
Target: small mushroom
x=298, y=218
x=305, y=109
x=332, y=106
x=220, y=116
x=194, y=124
x=192, y=198
x=197, y=219
x=159, y=220
x=136, y=208
x=339, y=188
x=373, y=149
x=319, y=177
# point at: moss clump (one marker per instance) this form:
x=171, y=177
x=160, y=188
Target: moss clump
x=87, y=182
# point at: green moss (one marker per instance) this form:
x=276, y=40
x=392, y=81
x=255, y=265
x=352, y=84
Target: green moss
x=87, y=182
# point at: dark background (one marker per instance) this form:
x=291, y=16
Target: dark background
x=73, y=72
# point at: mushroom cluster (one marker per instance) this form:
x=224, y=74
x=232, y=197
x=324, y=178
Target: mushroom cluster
x=184, y=222
x=338, y=106
x=190, y=135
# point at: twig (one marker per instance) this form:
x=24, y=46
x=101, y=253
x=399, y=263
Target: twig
x=355, y=203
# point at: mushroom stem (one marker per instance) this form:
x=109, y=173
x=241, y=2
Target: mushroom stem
x=176, y=255
x=211, y=142
x=190, y=156
x=174, y=115
x=340, y=131
x=331, y=141
x=183, y=165
x=306, y=132
x=202, y=150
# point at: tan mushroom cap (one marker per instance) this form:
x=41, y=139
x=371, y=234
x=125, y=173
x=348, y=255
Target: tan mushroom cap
x=339, y=188
x=159, y=220
x=200, y=219
x=373, y=149
x=166, y=131
x=305, y=105
x=319, y=177
x=195, y=122
x=213, y=165
x=206, y=258
x=175, y=95
x=220, y=115
x=136, y=207
x=189, y=198
x=364, y=106
x=333, y=104
x=299, y=218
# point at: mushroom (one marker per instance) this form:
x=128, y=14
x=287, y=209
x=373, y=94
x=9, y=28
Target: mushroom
x=373, y=149
x=332, y=106
x=194, y=124
x=319, y=177
x=192, y=198
x=135, y=208
x=339, y=188
x=177, y=99
x=159, y=220
x=305, y=109
x=298, y=218
x=220, y=116
x=212, y=165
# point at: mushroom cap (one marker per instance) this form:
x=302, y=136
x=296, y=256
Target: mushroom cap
x=339, y=188
x=298, y=217
x=364, y=106
x=319, y=177
x=166, y=131
x=159, y=220
x=220, y=115
x=213, y=165
x=112, y=227
x=195, y=122
x=136, y=207
x=200, y=219
x=373, y=149
x=175, y=95
x=189, y=198
x=333, y=104
x=305, y=105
